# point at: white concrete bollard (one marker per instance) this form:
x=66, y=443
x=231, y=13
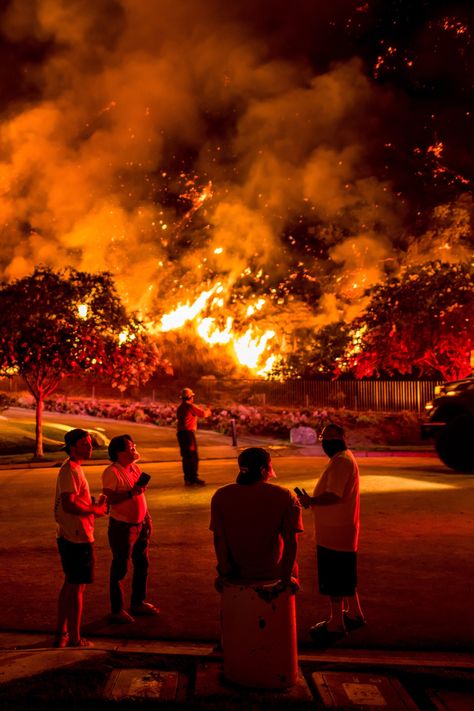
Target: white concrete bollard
x=259, y=637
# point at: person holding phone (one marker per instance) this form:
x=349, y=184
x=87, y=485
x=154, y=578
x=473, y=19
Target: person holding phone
x=129, y=528
x=335, y=504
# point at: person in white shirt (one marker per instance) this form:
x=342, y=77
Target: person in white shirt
x=74, y=512
x=335, y=506
x=129, y=529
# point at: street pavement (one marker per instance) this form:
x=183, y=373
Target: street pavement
x=188, y=674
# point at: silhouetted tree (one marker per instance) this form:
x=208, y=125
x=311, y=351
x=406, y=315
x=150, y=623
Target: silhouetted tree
x=419, y=322
x=316, y=354
x=54, y=324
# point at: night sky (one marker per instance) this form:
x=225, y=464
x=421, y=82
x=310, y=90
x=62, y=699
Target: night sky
x=298, y=152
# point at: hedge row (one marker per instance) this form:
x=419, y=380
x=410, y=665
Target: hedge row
x=379, y=428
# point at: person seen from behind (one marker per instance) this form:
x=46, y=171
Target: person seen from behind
x=335, y=504
x=129, y=530
x=255, y=525
x=187, y=418
x=75, y=512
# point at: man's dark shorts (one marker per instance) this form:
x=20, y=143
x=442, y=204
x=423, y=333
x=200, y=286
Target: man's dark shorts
x=78, y=561
x=337, y=572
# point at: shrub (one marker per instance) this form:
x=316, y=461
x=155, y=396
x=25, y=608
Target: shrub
x=388, y=428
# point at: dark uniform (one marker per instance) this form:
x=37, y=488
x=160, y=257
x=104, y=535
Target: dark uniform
x=187, y=416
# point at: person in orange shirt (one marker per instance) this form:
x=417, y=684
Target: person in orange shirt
x=335, y=506
x=187, y=417
x=129, y=529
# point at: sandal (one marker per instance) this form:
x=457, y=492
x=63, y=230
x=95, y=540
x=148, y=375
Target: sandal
x=61, y=640
x=324, y=637
x=354, y=623
x=146, y=609
x=81, y=643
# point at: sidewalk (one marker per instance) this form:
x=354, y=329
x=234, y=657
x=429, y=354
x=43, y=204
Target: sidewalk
x=190, y=675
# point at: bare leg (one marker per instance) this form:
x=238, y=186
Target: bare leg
x=352, y=606
x=75, y=594
x=62, y=627
x=336, y=619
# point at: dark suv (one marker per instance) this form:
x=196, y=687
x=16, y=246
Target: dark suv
x=450, y=419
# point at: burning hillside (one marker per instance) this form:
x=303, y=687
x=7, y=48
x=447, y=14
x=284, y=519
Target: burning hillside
x=244, y=170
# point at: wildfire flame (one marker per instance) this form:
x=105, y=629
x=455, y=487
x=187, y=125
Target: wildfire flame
x=249, y=348
x=185, y=312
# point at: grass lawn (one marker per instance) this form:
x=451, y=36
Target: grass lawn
x=17, y=437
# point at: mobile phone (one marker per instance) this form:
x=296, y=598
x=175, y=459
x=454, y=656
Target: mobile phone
x=143, y=479
x=298, y=491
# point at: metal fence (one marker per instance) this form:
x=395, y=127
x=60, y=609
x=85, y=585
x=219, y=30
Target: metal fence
x=379, y=395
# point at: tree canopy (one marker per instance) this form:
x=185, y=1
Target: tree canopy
x=318, y=354
x=54, y=324
x=418, y=323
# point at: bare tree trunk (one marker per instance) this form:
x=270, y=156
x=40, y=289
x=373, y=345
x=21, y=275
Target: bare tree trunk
x=39, y=426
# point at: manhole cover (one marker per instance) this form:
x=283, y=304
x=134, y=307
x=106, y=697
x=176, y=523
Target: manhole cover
x=141, y=683
x=362, y=692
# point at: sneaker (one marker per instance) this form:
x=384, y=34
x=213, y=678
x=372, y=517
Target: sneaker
x=60, y=641
x=146, y=609
x=354, y=623
x=324, y=637
x=121, y=618
x=81, y=643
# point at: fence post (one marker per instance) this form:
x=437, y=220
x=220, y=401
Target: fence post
x=233, y=429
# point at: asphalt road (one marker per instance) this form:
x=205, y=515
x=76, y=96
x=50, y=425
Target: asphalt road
x=415, y=570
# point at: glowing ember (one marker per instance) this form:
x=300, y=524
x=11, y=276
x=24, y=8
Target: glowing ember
x=125, y=336
x=251, y=309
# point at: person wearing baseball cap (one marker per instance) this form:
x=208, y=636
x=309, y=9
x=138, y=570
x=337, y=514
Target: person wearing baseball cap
x=335, y=506
x=75, y=512
x=255, y=523
x=187, y=418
